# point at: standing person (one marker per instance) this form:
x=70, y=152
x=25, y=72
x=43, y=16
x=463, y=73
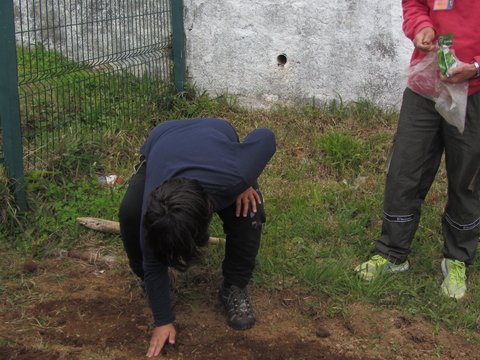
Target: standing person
x=190, y=169
x=421, y=138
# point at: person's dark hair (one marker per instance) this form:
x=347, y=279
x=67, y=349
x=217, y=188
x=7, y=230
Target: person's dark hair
x=177, y=219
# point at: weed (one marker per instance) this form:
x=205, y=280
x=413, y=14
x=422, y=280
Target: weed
x=393, y=346
x=438, y=348
x=342, y=151
x=59, y=277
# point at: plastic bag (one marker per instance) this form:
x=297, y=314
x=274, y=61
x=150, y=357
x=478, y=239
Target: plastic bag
x=423, y=77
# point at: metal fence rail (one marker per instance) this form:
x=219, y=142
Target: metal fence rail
x=82, y=65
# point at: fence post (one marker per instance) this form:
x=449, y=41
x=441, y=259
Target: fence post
x=10, y=104
x=178, y=38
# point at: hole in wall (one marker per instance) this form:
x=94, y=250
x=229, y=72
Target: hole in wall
x=281, y=59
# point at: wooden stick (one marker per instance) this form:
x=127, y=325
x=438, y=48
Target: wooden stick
x=113, y=227
x=101, y=225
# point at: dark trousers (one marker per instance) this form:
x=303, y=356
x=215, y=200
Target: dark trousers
x=242, y=234
x=421, y=138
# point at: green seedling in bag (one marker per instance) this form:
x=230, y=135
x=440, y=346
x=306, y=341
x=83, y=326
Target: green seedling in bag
x=446, y=60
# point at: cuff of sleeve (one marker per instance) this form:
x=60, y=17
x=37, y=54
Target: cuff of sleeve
x=424, y=24
x=164, y=322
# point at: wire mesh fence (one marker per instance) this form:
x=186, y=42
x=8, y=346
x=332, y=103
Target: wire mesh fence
x=88, y=64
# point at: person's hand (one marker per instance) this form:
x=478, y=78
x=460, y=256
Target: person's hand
x=160, y=335
x=460, y=73
x=423, y=41
x=249, y=196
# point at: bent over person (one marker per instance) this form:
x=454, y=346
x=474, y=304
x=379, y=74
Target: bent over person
x=190, y=169
x=421, y=138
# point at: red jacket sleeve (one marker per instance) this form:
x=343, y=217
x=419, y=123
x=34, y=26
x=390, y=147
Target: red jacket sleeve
x=416, y=16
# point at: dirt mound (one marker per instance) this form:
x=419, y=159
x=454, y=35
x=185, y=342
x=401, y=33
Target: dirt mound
x=71, y=309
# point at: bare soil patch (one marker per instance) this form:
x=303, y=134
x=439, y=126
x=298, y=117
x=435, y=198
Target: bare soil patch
x=72, y=309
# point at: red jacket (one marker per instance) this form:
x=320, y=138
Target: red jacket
x=463, y=20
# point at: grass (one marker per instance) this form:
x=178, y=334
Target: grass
x=323, y=195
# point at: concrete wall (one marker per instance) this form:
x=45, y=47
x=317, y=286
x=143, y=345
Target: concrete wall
x=349, y=48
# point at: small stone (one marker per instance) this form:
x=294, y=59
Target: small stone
x=30, y=266
x=323, y=333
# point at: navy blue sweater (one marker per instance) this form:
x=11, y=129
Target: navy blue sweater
x=209, y=151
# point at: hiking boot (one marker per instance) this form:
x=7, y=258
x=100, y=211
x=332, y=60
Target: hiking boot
x=378, y=265
x=240, y=315
x=454, y=285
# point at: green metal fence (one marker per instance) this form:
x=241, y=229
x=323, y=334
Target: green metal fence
x=69, y=67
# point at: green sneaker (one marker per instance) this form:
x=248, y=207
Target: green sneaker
x=378, y=265
x=454, y=285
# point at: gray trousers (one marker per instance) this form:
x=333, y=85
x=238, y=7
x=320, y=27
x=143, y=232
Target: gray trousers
x=421, y=138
